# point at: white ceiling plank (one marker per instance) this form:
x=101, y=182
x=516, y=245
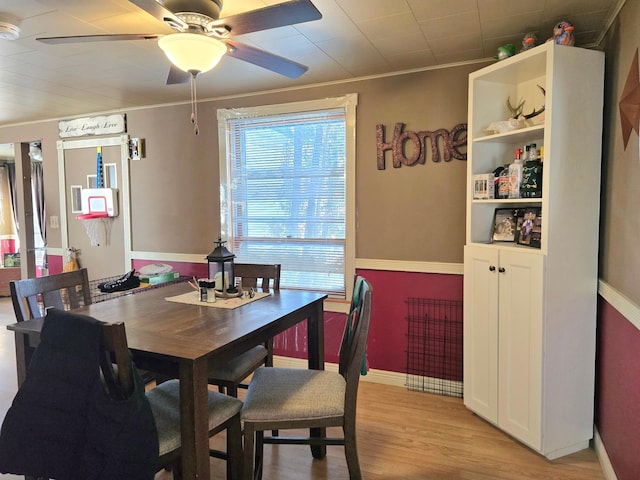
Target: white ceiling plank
x=354, y=38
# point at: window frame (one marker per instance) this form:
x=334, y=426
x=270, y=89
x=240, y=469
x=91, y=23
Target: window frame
x=348, y=103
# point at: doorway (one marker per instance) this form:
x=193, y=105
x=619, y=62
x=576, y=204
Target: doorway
x=22, y=214
x=108, y=254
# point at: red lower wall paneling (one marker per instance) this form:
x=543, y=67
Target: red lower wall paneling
x=387, y=345
x=54, y=262
x=386, y=349
x=618, y=391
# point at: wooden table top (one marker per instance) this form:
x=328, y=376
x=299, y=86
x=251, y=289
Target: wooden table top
x=181, y=331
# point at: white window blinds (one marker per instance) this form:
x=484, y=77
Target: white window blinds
x=286, y=195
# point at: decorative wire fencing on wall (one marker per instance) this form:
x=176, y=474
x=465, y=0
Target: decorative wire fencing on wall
x=434, y=346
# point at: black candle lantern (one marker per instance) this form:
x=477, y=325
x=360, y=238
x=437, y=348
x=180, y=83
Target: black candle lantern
x=221, y=269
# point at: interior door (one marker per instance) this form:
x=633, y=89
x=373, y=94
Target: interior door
x=111, y=256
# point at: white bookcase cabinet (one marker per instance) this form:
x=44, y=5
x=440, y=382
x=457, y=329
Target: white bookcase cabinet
x=529, y=313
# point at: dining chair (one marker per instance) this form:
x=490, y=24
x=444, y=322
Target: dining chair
x=230, y=376
x=289, y=398
x=68, y=290
x=102, y=421
x=32, y=296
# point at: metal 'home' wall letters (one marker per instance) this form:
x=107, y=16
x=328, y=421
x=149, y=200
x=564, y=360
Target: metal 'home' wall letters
x=451, y=142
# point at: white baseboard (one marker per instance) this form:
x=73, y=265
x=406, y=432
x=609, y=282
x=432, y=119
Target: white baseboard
x=383, y=377
x=376, y=376
x=601, y=452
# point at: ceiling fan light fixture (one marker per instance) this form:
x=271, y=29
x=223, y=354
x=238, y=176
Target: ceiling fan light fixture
x=9, y=31
x=192, y=52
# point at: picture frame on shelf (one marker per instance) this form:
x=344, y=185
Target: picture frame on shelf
x=529, y=227
x=503, y=228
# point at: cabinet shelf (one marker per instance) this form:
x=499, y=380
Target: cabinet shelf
x=507, y=201
x=521, y=135
x=506, y=246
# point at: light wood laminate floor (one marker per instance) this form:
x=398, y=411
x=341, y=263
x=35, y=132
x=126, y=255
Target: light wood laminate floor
x=402, y=435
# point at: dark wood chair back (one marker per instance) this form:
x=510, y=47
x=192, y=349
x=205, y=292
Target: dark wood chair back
x=354, y=339
x=32, y=296
x=115, y=361
x=259, y=276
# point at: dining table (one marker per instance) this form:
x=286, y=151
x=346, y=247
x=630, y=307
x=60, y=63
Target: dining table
x=182, y=340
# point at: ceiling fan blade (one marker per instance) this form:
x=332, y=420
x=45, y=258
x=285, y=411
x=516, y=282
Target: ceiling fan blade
x=98, y=38
x=177, y=76
x=267, y=60
x=156, y=10
x=281, y=15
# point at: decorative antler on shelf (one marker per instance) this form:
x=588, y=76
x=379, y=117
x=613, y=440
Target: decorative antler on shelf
x=516, y=112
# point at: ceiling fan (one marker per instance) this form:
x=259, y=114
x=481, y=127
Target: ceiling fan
x=202, y=17
x=196, y=37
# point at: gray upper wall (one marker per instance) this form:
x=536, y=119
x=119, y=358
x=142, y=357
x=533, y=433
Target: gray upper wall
x=412, y=213
x=620, y=222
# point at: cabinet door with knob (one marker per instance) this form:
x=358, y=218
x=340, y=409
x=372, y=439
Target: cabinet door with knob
x=520, y=345
x=481, y=331
x=503, y=338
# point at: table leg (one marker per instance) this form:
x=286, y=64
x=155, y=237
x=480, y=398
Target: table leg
x=315, y=347
x=315, y=336
x=194, y=415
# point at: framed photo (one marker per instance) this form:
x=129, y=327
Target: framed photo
x=92, y=181
x=11, y=259
x=76, y=198
x=504, y=225
x=529, y=229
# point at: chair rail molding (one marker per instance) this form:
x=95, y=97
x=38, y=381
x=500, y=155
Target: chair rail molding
x=410, y=266
x=620, y=302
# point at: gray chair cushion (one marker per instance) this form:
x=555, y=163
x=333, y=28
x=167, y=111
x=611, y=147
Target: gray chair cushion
x=165, y=405
x=293, y=394
x=238, y=366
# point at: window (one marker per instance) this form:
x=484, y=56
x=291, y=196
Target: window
x=287, y=186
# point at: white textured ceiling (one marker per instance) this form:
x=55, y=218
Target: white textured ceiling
x=355, y=38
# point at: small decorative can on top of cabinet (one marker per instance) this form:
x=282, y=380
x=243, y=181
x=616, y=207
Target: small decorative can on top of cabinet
x=530, y=314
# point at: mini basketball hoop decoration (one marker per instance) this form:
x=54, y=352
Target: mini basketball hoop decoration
x=99, y=207
x=92, y=223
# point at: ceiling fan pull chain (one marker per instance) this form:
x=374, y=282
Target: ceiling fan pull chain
x=194, y=104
